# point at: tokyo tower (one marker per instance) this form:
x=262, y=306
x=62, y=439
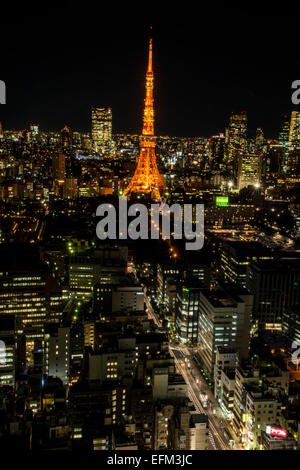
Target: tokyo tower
x=146, y=178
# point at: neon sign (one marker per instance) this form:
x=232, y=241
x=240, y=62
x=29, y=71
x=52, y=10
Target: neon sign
x=278, y=432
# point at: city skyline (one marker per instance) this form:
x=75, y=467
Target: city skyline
x=149, y=284
x=203, y=74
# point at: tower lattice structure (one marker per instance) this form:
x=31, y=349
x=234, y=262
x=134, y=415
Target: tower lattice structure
x=146, y=178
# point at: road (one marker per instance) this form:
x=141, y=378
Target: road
x=220, y=432
x=150, y=311
x=216, y=425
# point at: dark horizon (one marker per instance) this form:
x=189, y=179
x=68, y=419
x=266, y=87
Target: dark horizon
x=58, y=64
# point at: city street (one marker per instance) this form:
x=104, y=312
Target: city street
x=220, y=434
x=220, y=428
x=220, y=440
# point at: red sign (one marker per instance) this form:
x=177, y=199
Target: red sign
x=278, y=432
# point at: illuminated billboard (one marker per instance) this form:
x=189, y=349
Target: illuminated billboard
x=222, y=201
x=276, y=432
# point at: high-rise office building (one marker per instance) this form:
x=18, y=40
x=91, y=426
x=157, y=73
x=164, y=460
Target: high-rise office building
x=102, y=130
x=237, y=255
x=66, y=137
x=34, y=129
x=293, y=161
x=236, y=140
x=249, y=170
x=276, y=288
x=7, y=350
x=294, y=131
x=28, y=291
x=224, y=320
x=284, y=140
x=70, y=188
x=187, y=313
x=259, y=138
x=273, y=163
x=103, y=266
x=59, y=167
x=217, y=148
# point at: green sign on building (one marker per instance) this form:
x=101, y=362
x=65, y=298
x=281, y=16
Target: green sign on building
x=222, y=201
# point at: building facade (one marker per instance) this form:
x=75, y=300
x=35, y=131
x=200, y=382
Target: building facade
x=102, y=130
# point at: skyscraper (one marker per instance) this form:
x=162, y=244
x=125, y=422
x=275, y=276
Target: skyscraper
x=28, y=291
x=34, y=129
x=187, y=313
x=216, y=145
x=102, y=130
x=249, y=170
x=284, y=140
x=276, y=288
x=146, y=178
x=294, y=133
x=236, y=139
x=59, y=166
x=66, y=137
x=293, y=161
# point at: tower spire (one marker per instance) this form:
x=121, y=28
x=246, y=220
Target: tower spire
x=148, y=120
x=150, y=57
x=146, y=178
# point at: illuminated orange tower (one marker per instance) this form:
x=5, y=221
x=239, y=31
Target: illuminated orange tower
x=146, y=178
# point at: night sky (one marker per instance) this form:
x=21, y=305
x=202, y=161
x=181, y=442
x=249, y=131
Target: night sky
x=60, y=59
